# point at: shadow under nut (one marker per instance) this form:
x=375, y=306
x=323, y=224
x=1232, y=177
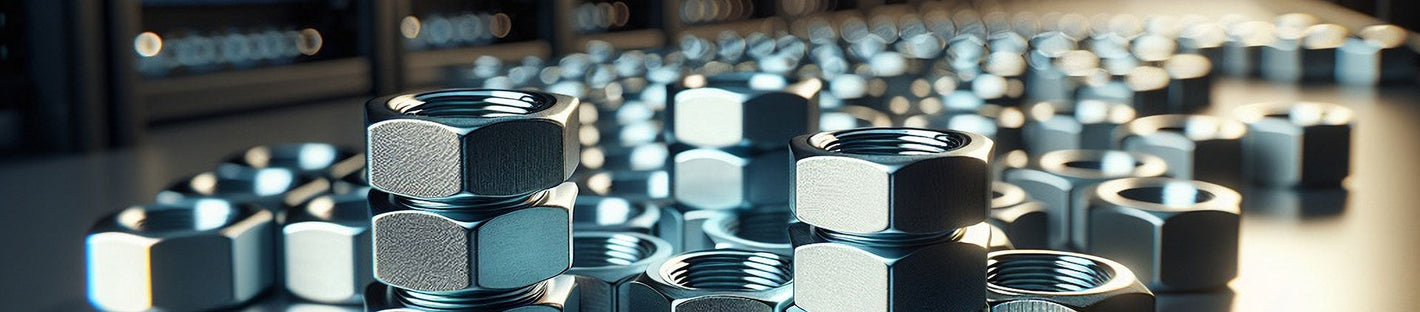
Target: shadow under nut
x=1174, y=234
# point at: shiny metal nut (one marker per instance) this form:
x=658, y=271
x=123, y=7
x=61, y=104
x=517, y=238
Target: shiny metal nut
x=1066, y=125
x=614, y=214
x=891, y=180
x=712, y=280
x=270, y=188
x=327, y=249
x=1019, y=217
x=450, y=252
x=711, y=178
x=684, y=227
x=833, y=272
x=471, y=142
x=1175, y=234
x=635, y=158
x=306, y=159
x=651, y=185
x=604, y=261
x=757, y=229
x=1195, y=147
x=1378, y=55
x=741, y=113
x=997, y=241
x=1058, y=281
x=558, y=294
x=1060, y=179
x=1319, y=51
x=193, y=255
x=1297, y=144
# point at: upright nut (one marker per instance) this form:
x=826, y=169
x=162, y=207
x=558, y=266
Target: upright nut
x=1065, y=125
x=712, y=280
x=449, y=251
x=192, y=255
x=1297, y=144
x=1195, y=147
x=557, y=294
x=891, y=180
x=734, y=110
x=1176, y=234
x=1058, y=281
x=1024, y=220
x=603, y=261
x=836, y=272
x=1379, y=55
x=757, y=229
x=719, y=179
x=305, y=159
x=614, y=214
x=1060, y=179
x=327, y=243
x=459, y=143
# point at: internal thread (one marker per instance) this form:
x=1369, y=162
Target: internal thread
x=613, y=250
x=480, y=300
x=764, y=227
x=892, y=239
x=730, y=270
x=1047, y=272
x=474, y=205
x=889, y=141
x=471, y=103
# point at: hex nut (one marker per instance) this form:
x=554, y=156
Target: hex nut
x=712, y=280
x=1065, y=125
x=327, y=249
x=1060, y=179
x=730, y=110
x=306, y=159
x=614, y=214
x=1297, y=144
x=557, y=294
x=270, y=188
x=758, y=229
x=684, y=227
x=891, y=180
x=1378, y=55
x=1175, y=234
x=145, y=257
x=712, y=178
x=449, y=252
x=459, y=143
x=833, y=272
x=1058, y=281
x=1004, y=125
x=1019, y=217
x=604, y=261
x=1195, y=147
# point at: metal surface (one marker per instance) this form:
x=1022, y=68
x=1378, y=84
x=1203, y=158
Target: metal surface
x=1195, y=147
x=1303, y=143
x=327, y=248
x=1061, y=179
x=1022, y=219
x=713, y=280
x=943, y=272
x=758, y=229
x=1056, y=281
x=604, y=261
x=1176, y=235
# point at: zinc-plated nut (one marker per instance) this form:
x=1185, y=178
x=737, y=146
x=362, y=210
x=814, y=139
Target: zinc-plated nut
x=1004, y=125
x=631, y=185
x=451, y=251
x=558, y=294
x=1242, y=52
x=192, y=255
x=1063, y=125
x=459, y=143
x=891, y=180
x=606, y=260
x=1297, y=144
x=271, y=188
x=1058, y=281
x=327, y=241
x=716, y=178
x=712, y=280
x=834, y=272
x=739, y=114
x=1175, y=234
x=305, y=159
x=684, y=227
x=1060, y=179
x=1380, y=54
x=1024, y=220
x=758, y=229
x=850, y=117
x=614, y=214
x=1195, y=147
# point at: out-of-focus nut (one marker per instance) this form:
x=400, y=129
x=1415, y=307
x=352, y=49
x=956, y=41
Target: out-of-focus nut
x=1057, y=281
x=1379, y=55
x=649, y=185
x=614, y=214
x=1024, y=220
x=1195, y=147
x=1175, y=234
x=271, y=188
x=1060, y=180
x=739, y=112
x=327, y=243
x=711, y=178
x=1297, y=144
x=1064, y=125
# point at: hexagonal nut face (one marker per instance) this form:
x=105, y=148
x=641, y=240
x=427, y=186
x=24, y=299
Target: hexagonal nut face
x=1057, y=281
x=1060, y=180
x=724, y=116
x=1025, y=221
x=891, y=180
x=1196, y=147
x=762, y=228
x=605, y=260
x=712, y=280
x=557, y=294
x=429, y=251
x=145, y=257
x=471, y=142
x=834, y=273
x=327, y=242
x=707, y=178
x=1297, y=144
x=1175, y=234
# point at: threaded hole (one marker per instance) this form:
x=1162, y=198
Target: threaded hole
x=197, y=215
x=1172, y=194
x=611, y=250
x=890, y=141
x=471, y=103
x=1047, y=272
x=765, y=227
x=730, y=270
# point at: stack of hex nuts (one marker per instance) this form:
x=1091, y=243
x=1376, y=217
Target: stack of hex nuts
x=890, y=220
x=470, y=206
x=727, y=133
